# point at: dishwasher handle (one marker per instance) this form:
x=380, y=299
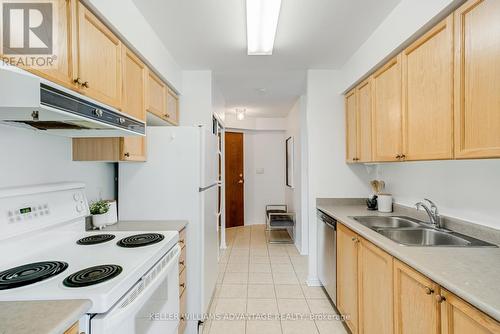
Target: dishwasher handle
x=329, y=221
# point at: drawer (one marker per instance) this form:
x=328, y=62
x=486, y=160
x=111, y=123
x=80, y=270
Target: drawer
x=182, y=260
x=182, y=238
x=182, y=312
x=182, y=282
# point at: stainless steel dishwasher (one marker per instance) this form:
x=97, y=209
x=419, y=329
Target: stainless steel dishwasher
x=327, y=253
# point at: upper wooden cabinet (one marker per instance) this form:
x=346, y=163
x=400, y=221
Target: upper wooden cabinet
x=416, y=309
x=99, y=59
x=172, y=107
x=386, y=125
x=375, y=289
x=428, y=95
x=161, y=100
x=351, y=116
x=347, y=276
x=364, y=133
x=477, y=79
x=458, y=317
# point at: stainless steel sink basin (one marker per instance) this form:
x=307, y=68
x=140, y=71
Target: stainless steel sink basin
x=423, y=237
x=375, y=222
x=413, y=232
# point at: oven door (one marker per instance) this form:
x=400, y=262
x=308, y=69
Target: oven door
x=150, y=307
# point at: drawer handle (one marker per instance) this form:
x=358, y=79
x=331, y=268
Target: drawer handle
x=440, y=298
x=183, y=318
x=127, y=155
x=181, y=241
x=181, y=263
x=85, y=84
x=429, y=291
x=182, y=285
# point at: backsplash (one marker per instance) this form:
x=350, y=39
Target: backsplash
x=468, y=189
x=32, y=157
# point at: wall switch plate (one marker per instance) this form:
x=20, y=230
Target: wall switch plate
x=259, y=171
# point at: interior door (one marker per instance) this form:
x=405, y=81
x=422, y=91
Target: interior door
x=234, y=179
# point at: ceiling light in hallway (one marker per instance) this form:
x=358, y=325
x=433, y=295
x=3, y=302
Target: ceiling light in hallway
x=262, y=22
x=240, y=114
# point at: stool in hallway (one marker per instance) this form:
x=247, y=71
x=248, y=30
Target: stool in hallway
x=280, y=224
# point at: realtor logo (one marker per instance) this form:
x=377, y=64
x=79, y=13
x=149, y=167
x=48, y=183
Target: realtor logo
x=28, y=28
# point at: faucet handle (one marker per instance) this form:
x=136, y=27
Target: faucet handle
x=433, y=206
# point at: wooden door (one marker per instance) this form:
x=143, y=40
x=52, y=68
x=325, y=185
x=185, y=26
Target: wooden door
x=172, y=107
x=99, y=59
x=234, y=179
x=375, y=289
x=477, y=79
x=134, y=103
x=351, y=126
x=386, y=99
x=364, y=132
x=156, y=96
x=347, y=276
x=416, y=309
x=428, y=95
x=458, y=317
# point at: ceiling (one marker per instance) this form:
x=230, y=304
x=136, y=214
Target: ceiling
x=312, y=34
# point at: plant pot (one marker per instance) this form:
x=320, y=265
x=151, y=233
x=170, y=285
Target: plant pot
x=100, y=221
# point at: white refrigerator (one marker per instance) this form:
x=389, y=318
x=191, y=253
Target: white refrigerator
x=179, y=181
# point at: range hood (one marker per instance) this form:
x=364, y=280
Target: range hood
x=31, y=102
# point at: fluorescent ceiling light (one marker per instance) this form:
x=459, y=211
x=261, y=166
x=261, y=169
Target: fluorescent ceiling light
x=262, y=21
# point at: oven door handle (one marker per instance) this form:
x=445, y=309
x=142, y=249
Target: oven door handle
x=120, y=311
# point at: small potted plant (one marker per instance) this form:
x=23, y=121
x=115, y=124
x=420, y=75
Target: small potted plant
x=99, y=211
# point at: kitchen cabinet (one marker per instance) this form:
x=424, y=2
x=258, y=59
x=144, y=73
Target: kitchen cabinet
x=416, y=309
x=172, y=112
x=182, y=282
x=98, y=59
x=428, y=95
x=351, y=116
x=347, y=276
x=375, y=289
x=134, y=104
x=458, y=317
x=73, y=329
x=364, y=131
x=477, y=80
x=387, y=113
x=156, y=96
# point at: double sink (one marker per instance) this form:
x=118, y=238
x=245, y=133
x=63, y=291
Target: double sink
x=412, y=232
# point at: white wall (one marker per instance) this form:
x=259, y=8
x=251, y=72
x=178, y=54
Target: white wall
x=131, y=25
x=254, y=123
x=196, y=105
x=296, y=197
x=263, y=150
x=31, y=157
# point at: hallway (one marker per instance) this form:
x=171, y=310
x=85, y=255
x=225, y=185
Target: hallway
x=256, y=278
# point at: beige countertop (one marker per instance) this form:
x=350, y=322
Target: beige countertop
x=471, y=273
x=42, y=317
x=148, y=225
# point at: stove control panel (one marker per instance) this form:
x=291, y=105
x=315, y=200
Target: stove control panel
x=28, y=212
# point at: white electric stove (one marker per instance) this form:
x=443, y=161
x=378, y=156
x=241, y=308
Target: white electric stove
x=130, y=277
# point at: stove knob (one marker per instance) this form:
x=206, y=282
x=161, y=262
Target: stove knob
x=79, y=208
x=77, y=197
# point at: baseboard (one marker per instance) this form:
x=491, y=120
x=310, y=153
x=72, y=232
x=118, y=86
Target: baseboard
x=313, y=282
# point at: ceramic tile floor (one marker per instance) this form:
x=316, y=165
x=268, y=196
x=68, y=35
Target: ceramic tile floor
x=257, y=279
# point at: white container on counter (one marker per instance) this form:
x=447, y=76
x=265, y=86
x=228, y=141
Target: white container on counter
x=384, y=203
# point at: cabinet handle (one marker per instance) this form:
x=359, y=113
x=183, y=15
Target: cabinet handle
x=181, y=263
x=183, y=318
x=78, y=81
x=182, y=285
x=167, y=115
x=85, y=84
x=355, y=239
x=403, y=156
x=440, y=299
x=429, y=291
x=127, y=155
x=181, y=241
x=398, y=156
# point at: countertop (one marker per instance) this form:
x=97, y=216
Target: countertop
x=44, y=317
x=147, y=225
x=470, y=273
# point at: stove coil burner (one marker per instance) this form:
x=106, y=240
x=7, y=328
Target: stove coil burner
x=95, y=239
x=30, y=273
x=140, y=240
x=93, y=275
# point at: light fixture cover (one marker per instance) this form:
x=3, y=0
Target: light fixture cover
x=240, y=114
x=262, y=22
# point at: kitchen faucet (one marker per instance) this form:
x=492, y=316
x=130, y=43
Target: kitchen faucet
x=435, y=218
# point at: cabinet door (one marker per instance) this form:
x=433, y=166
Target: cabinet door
x=99, y=59
x=477, y=79
x=351, y=116
x=458, y=317
x=172, y=107
x=134, y=103
x=73, y=330
x=347, y=276
x=156, y=96
x=375, y=289
x=428, y=95
x=386, y=95
x=364, y=132
x=416, y=309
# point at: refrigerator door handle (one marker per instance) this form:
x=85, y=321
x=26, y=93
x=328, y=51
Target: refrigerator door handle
x=208, y=187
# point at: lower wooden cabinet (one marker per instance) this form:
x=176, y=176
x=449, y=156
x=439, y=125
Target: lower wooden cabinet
x=416, y=310
x=381, y=295
x=458, y=317
x=182, y=283
x=347, y=276
x=109, y=149
x=73, y=329
x=375, y=289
